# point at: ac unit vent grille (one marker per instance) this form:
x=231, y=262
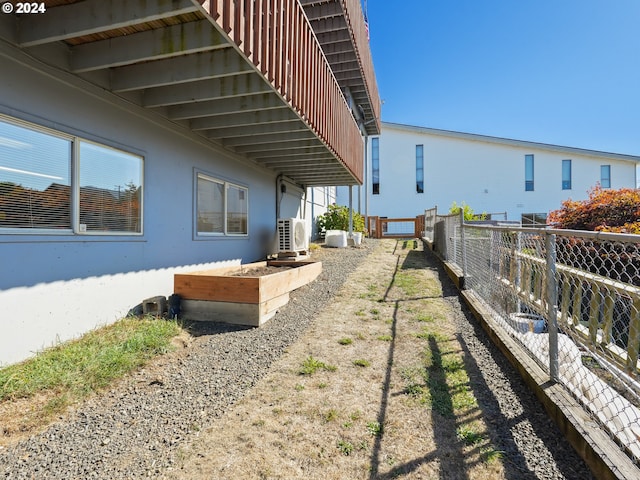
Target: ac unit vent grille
x=292, y=235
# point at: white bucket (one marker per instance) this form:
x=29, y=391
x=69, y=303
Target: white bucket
x=357, y=238
x=336, y=238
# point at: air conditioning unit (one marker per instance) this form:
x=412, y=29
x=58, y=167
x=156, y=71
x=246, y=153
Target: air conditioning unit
x=292, y=235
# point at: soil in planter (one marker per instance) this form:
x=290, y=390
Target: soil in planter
x=261, y=271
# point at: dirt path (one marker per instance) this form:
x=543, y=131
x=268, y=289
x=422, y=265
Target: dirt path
x=390, y=396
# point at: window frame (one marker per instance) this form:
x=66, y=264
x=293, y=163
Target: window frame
x=602, y=178
x=529, y=180
x=75, y=165
x=226, y=184
x=566, y=180
x=419, y=169
x=375, y=165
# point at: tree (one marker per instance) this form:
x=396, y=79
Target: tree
x=605, y=210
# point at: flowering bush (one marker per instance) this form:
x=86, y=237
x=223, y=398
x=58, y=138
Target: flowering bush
x=605, y=210
x=337, y=218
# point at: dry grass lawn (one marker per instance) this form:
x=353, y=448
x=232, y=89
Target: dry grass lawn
x=375, y=389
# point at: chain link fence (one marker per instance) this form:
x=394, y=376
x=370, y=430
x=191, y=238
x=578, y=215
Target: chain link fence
x=572, y=299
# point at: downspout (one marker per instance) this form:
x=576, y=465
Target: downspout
x=278, y=196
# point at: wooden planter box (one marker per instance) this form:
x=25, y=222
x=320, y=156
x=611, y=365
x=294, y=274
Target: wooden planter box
x=218, y=295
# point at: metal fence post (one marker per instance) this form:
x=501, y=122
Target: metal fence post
x=463, y=247
x=552, y=305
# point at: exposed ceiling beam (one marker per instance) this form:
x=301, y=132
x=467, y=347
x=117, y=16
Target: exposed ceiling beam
x=233, y=132
x=191, y=37
x=296, y=156
x=323, y=10
x=334, y=37
x=271, y=148
x=330, y=24
x=268, y=138
x=185, y=68
x=226, y=87
x=260, y=117
x=226, y=106
x=94, y=16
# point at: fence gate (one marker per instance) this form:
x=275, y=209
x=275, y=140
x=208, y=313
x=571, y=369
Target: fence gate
x=381, y=227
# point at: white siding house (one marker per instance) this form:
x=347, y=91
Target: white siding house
x=413, y=168
x=143, y=139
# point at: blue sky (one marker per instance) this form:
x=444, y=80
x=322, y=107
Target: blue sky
x=564, y=72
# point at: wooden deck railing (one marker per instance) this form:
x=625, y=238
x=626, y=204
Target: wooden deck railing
x=586, y=303
x=277, y=38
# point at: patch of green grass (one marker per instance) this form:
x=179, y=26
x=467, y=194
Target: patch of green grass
x=331, y=415
x=90, y=363
x=425, y=317
x=414, y=390
x=345, y=341
x=346, y=448
x=385, y=338
x=490, y=455
x=299, y=387
x=374, y=311
x=360, y=313
x=323, y=385
x=357, y=415
x=360, y=362
x=312, y=365
x=468, y=435
x=374, y=428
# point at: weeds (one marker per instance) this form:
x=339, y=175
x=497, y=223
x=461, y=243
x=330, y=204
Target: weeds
x=312, y=365
x=346, y=448
x=345, y=341
x=362, y=363
x=374, y=429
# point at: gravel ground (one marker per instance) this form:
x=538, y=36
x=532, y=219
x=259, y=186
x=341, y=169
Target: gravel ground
x=135, y=429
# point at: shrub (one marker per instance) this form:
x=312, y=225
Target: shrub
x=468, y=212
x=337, y=218
x=605, y=210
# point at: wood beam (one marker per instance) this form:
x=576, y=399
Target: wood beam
x=269, y=138
x=185, y=68
x=234, y=132
x=225, y=106
x=226, y=87
x=191, y=37
x=94, y=16
x=260, y=117
x=271, y=148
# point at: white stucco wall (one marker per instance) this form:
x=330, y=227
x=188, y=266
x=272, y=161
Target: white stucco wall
x=56, y=287
x=487, y=175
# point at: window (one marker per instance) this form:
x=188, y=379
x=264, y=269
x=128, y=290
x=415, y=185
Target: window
x=222, y=207
x=56, y=183
x=420, y=168
x=566, y=174
x=534, y=220
x=605, y=176
x=375, y=166
x=528, y=173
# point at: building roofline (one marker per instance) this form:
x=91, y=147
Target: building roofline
x=511, y=142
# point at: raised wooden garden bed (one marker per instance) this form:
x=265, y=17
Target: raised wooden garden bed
x=247, y=294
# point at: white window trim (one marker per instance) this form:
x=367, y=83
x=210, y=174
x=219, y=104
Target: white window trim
x=226, y=184
x=75, y=228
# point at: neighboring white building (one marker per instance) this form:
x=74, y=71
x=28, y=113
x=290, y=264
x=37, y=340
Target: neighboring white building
x=410, y=169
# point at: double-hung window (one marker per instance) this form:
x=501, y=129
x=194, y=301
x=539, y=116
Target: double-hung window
x=566, y=174
x=51, y=182
x=605, y=176
x=420, y=168
x=222, y=207
x=528, y=173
